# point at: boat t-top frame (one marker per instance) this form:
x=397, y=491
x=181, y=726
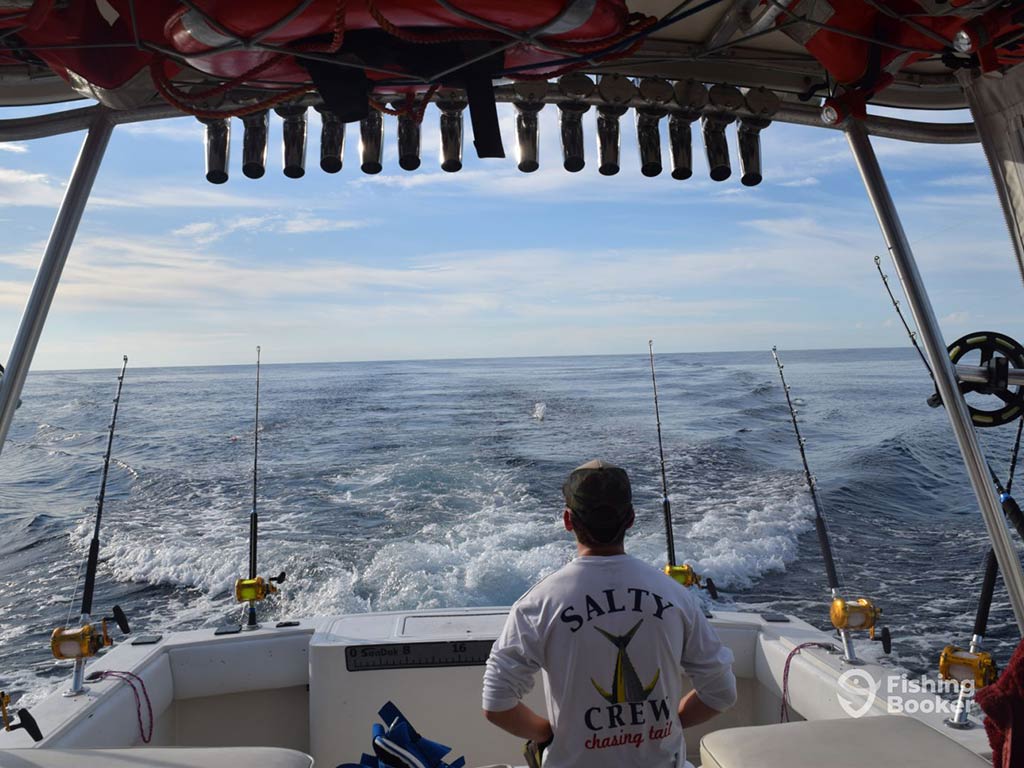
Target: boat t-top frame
x=754, y=87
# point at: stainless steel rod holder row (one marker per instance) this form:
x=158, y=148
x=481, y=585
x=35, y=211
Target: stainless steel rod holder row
x=653, y=100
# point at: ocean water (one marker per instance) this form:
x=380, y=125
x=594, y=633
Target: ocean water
x=430, y=484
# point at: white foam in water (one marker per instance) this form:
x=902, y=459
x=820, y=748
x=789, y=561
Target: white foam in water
x=488, y=556
x=202, y=552
x=737, y=534
x=539, y=409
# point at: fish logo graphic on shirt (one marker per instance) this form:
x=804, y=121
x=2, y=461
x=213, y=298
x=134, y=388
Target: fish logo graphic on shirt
x=626, y=685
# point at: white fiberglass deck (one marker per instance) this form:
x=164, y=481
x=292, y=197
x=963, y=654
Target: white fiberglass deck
x=316, y=687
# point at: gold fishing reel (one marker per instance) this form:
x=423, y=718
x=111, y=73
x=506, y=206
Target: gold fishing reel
x=860, y=615
x=255, y=590
x=86, y=641
x=961, y=665
x=688, y=577
x=25, y=720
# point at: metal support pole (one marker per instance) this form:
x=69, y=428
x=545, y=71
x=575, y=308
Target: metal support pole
x=945, y=377
x=77, y=680
x=61, y=236
x=996, y=106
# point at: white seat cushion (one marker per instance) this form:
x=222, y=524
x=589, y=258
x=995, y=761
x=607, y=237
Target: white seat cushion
x=156, y=757
x=889, y=740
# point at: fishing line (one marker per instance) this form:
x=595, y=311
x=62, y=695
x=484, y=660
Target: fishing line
x=74, y=592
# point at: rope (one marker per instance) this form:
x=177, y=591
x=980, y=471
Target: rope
x=784, y=709
x=412, y=107
x=167, y=90
x=425, y=38
x=130, y=679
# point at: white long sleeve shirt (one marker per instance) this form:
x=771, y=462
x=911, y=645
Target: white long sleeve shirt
x=613, y=637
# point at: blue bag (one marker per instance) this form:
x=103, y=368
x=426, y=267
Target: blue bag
x=396, y=744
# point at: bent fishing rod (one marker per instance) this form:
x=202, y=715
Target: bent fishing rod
x=255, y=588
x=972, y=663
x=80, y=643
x=1011, y=509
x=846, y=615
x=681, y=573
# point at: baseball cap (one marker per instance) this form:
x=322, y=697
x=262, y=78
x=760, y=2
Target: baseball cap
x=600, y=497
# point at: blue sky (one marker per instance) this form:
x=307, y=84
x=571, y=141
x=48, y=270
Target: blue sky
x=172, y=270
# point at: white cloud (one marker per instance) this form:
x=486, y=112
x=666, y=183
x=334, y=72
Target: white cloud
x=299, y=225
x=179, y=129
x=806, y=181
x=963, y=180
x=13, y=146
x=956, y=318
x=23, y=188
x=20, y=188
x=160, y=194
x=206, y=232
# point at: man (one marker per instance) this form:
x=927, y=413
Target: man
x=612, y=636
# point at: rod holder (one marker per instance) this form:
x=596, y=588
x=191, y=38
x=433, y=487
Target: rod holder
x=692, y=97
x=763, y=104
x=332, y=140
x=570, y=118
x=608, y=139
x=648, y=137
x=749, y=134
x=371, y=142
x=451, y=131
x=617, y=91
x=727, y=99
x=657, y=94
x=680, y=139
x=716, y=145
x=294, y=146
x=218, y=149
x=529, y=102
x=408, y=143
x=255, y=133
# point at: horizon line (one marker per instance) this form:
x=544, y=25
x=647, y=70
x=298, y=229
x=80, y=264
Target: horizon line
x=461, y=359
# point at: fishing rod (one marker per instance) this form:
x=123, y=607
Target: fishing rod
x=973, y=663
x=253, y=518
x=846, y=615
x=684, y=574
x=824, y=541
x=1011, y=509
x=666, y=506
x=255, y=588
x=80, y=643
